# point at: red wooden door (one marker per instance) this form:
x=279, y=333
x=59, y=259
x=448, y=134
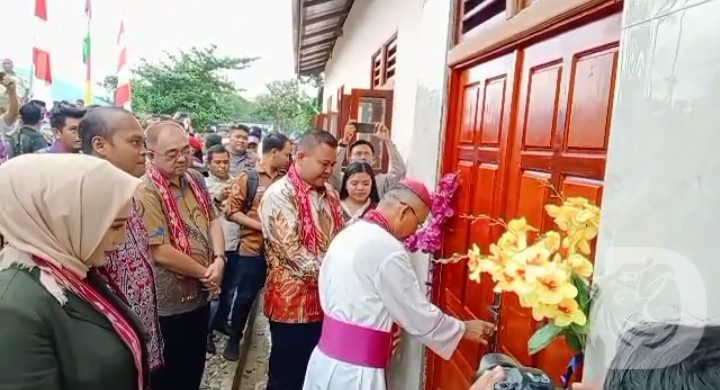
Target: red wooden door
x=565, y=98
x=555, y=130
x=480, y=145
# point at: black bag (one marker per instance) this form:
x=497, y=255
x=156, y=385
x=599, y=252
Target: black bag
x=26, y=140
x=253, y=182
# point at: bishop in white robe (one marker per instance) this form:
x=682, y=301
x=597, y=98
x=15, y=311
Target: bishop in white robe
x=366, y=284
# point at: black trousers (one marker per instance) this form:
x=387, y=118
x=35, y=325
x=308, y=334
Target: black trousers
x=184, y=353
x=292, y=345
x=243, y=279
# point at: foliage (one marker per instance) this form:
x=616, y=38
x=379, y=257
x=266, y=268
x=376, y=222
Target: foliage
x=192, y=82
x=110, y=84
x=286, y=105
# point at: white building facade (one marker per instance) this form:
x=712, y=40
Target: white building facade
x=621, y=111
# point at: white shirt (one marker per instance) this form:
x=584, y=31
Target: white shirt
x=367, y=279
x=232, y=230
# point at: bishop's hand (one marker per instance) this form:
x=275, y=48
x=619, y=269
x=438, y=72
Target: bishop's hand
x=478, y=330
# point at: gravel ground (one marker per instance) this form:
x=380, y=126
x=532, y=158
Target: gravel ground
x=220, y=373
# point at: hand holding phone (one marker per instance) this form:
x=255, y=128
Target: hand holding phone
x=364, y=128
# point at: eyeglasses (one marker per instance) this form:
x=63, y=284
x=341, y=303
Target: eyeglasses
x=417, y=218
x=173, y=154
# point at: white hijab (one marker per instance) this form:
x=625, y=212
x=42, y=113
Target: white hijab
x=59, y=207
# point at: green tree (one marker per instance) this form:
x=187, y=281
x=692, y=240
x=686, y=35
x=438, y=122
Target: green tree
x=110, y=84
x=286, y=105
x=192, y=82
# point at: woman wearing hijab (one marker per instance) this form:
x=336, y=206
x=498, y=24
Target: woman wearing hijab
x=62, y=328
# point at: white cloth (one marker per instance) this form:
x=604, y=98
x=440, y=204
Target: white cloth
x=367, y=279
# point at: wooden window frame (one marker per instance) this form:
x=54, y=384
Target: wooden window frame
x=382, y=81
x=512, y=8
x=377, y=56
x=392, y=42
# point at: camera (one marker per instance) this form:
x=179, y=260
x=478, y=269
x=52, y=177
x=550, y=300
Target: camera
x=517, y=376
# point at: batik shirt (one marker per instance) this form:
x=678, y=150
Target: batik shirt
x=178, y=294
x=291, y=287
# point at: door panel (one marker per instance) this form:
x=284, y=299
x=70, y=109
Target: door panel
x=537, y=116
x=580, y=105
x=480, y=142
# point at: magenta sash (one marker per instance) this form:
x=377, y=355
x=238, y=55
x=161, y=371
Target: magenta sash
x=355, y=344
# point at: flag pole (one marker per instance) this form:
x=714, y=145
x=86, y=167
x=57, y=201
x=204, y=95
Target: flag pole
x=87, y=54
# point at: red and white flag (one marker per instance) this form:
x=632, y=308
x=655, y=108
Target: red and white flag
x=123, y=94
x=42, y=69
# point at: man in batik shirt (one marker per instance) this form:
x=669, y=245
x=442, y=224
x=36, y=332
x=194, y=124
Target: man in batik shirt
x=300, y=214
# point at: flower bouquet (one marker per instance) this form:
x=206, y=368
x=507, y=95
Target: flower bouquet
x=429, y=238
x=550, y=275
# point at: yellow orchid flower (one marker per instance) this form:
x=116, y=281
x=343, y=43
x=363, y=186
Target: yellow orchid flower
x=520, y=225
x=524, y=279
x=512, y=279
x=580, y=265
x=567, y=312
x=577, y=201
x=513, y=240
x=551, y=240
x=562, y=215
x=529, y=300
x=554, y=286
x=541, y=311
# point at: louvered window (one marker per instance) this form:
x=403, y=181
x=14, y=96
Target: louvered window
x=377, y=70
x=390, y=58
x=476, y=12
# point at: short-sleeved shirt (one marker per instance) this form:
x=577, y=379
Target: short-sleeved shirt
x=251, y=240
x=178, y=294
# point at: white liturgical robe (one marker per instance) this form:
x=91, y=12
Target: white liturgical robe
x=367, y=279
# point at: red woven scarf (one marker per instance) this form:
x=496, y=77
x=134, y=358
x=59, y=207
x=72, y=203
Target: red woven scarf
x=88, y=293
x=374, y=216
x=178, y=233
x=308, y=229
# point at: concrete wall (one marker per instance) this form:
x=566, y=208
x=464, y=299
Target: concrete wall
x=419, y=99
x=657, y=251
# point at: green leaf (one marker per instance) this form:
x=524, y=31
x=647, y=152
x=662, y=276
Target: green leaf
x=543, y=337
x=583, y=296
x=585, y=329
x=575, y=341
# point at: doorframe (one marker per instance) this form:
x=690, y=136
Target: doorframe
x=540, y=21
x=534, y=23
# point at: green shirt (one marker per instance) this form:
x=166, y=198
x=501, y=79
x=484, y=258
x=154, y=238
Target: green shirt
x=49, y=346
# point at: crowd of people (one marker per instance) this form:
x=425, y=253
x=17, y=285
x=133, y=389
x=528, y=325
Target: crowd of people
x=129, y=245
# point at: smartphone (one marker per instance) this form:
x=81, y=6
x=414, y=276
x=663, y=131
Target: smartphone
x=2, y=76
x=364, y=128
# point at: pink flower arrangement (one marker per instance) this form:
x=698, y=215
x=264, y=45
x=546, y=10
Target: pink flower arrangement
x=428, y=239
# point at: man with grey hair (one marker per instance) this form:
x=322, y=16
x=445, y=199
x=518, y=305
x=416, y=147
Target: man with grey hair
x=364, y=291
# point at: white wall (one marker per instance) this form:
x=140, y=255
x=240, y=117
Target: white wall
x=368, y=26
x=662, y=192
x=419, y=99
